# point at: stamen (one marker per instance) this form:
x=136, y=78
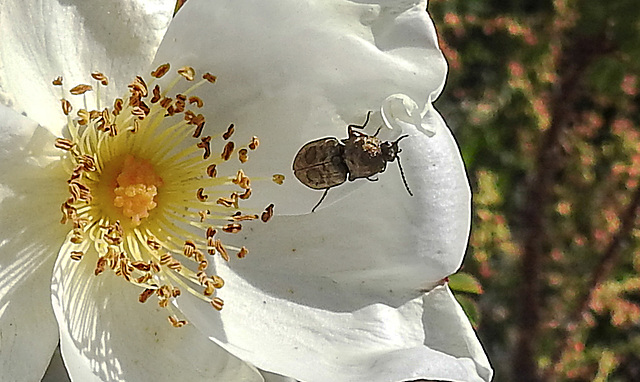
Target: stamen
x=135, y=192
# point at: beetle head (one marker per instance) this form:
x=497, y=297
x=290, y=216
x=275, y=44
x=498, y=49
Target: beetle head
x=390, y=150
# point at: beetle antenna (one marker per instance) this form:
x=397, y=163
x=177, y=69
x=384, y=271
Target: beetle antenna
x=322, y=198
x=404, y=180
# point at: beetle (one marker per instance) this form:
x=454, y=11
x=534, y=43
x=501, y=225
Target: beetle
x=328, y=162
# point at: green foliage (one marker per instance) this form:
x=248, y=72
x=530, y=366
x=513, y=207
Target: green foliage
x=543, y=98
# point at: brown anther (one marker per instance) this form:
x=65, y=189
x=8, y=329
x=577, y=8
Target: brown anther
x=177, y=323
x=100, y=266
x=165, y=258
x=77, y=236
x=76, y=255
x=66, y=106
x=246, y=194
x=243, y=252
x=267, y=214
x=144, y=296
x=198, y=130
x=161, y=70
x=136, y=126
x=203, y=215
x=232, y=228
x=87, y=163
x=176, y=292
x=80, y=89
x=187, y=72
x=239, y=217
x=100, y=77
x=57, y=81
x=242, y=180
x=217, y=303
x=211, y=242
x=79, y=191
x=155, y=267
x=205, y=144
x=227, y=151
x=278, y=178
x=209, y=77
x=218, y=282
x=64, y=144
x=163, y=303
x=243, y=155
x=211, y=232
x=153, y=243
x=140, y=111
x=197, y=100
x=138, y=88
x=203, y=265
x=198, y=256
x=175, y=265
x=201, y=196
x=221, y=249
x=232, y=201
x=156, y=94
x=254, y=143
x=141, y=266
x=229, y=132
x=144, y=278
x=209, y=288
x=118, y=103
x=211, y=170
x=166, y=102
x=189, y=248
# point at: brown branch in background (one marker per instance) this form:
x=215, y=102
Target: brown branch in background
x=572, y=66
x=600, y=273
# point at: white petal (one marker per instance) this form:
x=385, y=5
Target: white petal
x=375, y=343
x=294, y=71
x=44, y=39
x=29, y=240
x=107, y=335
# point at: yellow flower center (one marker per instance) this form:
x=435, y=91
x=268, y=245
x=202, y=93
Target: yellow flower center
x=145, y=204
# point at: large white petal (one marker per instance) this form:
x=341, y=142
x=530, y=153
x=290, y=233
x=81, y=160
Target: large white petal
x=335, y=289
x=107, y=335
x=43, y=39
x=29, y=241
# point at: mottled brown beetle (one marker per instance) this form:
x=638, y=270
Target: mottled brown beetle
x=328, y=162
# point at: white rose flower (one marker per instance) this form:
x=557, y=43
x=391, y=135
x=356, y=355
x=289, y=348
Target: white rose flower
x=351, y=292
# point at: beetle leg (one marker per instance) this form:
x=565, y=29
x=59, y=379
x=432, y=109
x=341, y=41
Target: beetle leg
x=371, y=179
x=363, y=125
x=321, y=199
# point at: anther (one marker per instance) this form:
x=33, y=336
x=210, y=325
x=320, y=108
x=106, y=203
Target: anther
x=278, y=178
x=243, y=155
x=100, y=77
x=161, y=71
x=217, y=303
x=243, y=252
x=144, y=296
x=177, y=323
x=187, y=72
x=254, y=143
x=66, y=106
x=206, y=145
x=201, y=196
x=211, y=171
x=227, y=151
x=267, y=214
x=232, y=228
x=156, y=94
x=80, y=89
x=229, y=132
x=209, y=77
x=57, y=81
x=197, y=100
x=76, y=255
x=64, y=144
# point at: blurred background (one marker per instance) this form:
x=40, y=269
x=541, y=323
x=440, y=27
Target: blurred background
x=543, y=98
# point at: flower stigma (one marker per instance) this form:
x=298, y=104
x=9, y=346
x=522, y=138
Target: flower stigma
x=145, y=198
